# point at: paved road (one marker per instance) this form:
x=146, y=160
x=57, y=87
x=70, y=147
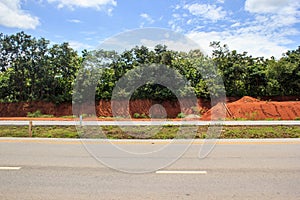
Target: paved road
x=235, y=169
x=154, y=123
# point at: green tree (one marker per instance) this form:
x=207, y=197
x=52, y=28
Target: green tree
x=34, y=71
x=284, y=75
x=61, y=71
x=242, y=74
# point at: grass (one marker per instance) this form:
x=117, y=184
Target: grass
x=151, y=132
x=40, y=131
x=261, y=132
x=68, y=116
x=38, y=113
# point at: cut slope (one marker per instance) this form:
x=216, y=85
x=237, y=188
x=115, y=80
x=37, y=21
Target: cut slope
x=252, y=109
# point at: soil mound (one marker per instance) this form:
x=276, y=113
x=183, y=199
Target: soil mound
x=247, y=99
x=249, y=108
x=218, y=112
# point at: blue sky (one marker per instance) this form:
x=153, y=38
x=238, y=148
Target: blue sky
x=260, y=27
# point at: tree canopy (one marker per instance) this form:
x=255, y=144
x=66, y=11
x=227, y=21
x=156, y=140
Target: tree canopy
x=33, y=70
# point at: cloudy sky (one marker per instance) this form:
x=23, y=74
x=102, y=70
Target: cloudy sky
x=260, y=27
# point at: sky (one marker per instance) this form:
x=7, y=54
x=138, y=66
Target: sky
x=260, y=27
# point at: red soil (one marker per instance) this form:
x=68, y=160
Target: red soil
x=102, y=108
x=21, y=109
x=244, y=108
x=254, y=109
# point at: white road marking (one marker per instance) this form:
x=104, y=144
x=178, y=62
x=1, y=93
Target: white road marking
x=10, y=168
x=181, y=172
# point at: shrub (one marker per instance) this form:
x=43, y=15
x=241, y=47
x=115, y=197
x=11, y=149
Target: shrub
x=143, y=115
x=181, y=115
x=37, y=113
x=136, y=115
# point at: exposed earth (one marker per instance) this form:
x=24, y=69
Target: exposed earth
x=247, y=108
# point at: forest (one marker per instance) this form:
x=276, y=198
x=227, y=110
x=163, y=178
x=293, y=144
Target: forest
x=33, y=69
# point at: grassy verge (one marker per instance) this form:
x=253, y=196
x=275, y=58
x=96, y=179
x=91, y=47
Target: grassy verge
x=261, y=132
x=39, y=131
x=151, y=132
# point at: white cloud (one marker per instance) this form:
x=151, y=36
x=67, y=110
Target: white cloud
x=76, y=21
x=147, y=17
x=254, y=44
x=277, y=13
x=174, y=26
x=206, y=11
x=118, y=44
x=11, y=15
x=267, y=31
x=236, y=24
x=266, y=6
x=274, y=14
x=97, y=4
x=274, y=20
x=179, y=44
x=79, y=46
x=149, y=37
x=176, y=45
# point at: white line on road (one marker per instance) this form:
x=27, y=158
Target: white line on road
x=181, y=172
x=10, y=168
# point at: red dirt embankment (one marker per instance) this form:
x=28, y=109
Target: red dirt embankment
x=102, y=108
x=22, y=108
x=244, y=108
x=253, y=109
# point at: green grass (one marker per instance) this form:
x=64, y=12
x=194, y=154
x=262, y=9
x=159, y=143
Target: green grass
x=151, y=132
x=38, y=113
x=68, y=116
x=261, y=132
x=39, y=131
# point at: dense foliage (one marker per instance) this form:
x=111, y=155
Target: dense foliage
x=245, y=75
x=33, y=70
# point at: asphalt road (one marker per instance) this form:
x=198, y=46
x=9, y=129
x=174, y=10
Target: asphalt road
x=64, y=169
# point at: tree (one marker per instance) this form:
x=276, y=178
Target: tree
x=242, y=74
x=62, y=70
x=35, y=71
x=284, y=75
x=32, y=70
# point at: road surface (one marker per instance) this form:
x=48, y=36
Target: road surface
x=236, y=169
